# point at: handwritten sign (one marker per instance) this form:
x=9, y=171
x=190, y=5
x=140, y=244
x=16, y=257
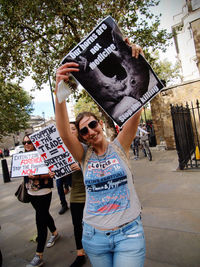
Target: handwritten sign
x=53, y=151
x=24, y=164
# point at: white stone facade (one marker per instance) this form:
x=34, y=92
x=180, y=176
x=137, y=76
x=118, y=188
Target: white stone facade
x=184, y=39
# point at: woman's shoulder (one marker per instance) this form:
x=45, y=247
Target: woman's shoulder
x=116, y=144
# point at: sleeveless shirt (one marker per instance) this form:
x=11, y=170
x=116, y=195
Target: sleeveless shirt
x=111, y=199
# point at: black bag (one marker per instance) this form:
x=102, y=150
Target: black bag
x=22, y=193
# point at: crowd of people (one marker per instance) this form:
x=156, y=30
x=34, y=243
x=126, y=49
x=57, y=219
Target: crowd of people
x=105, y=209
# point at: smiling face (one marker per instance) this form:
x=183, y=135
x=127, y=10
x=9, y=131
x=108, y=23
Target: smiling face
x=94, y=136
x=27, y=145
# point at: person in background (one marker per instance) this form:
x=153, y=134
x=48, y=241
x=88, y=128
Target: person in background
x=77, y=202
x=113, y=234
x=141, y=133
x=62, y=185
x=135, y=145
x=6, y=152
x=39, y=189
x=1, y=153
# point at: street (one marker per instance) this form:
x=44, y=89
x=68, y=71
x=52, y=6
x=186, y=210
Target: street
x=171, y=217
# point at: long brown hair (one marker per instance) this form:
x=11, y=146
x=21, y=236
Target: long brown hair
x=79, y=117
x=27, y=135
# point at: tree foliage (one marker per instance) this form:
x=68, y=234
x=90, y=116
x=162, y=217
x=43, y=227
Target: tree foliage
x=146, y=114
x=15, y=108
x=165, y=70
x=86, y=103
x=36, y=35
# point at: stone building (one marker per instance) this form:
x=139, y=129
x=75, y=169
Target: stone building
x=183, y=93
x=36, y=123
x=186, y=31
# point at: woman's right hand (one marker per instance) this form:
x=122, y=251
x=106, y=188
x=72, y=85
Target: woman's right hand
x=64, y=71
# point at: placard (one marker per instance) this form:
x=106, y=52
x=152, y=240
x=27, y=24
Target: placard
x=24, y=164
x=53, y=151
x=118, y=82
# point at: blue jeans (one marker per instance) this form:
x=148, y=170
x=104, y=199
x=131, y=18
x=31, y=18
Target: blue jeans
x=61, y=183
x=122, y=247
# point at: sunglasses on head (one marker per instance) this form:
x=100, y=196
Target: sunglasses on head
x=92, y=125
x=27, y=142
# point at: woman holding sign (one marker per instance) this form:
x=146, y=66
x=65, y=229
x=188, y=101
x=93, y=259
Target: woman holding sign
x=77, y=202
x=113, y=234
x=39, y=188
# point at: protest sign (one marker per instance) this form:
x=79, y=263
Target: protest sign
x=116, y=81
x=24, y=164
x=53, y=151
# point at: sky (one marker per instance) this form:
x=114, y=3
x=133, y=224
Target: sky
x=42, y=102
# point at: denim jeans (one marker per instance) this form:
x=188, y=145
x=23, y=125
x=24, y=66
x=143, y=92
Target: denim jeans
x=124, y=247
x=61, y=183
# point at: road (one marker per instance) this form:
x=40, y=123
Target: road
x=171, y=217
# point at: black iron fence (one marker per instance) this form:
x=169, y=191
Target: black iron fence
x=186, y=124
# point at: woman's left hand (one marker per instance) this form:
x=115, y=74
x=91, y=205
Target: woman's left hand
x=51, y=174
x=75, y=167
x=136, y=49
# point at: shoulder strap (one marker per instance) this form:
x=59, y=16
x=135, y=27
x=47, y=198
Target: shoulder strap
x=87, y=156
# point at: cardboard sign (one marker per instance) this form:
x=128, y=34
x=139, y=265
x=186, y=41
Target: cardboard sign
x=117, y=82
x=24, y=164
x=53, y=151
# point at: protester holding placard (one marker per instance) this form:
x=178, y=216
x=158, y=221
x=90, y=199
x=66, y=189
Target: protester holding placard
x=77, y=203
x=112, y=229
x=39, y=189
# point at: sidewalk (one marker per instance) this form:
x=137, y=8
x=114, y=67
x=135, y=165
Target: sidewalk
x=171, y=218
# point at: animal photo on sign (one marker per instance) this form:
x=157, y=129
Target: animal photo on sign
x=118, y=82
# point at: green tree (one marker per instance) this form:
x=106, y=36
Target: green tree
x=36, y=35
x=165, y=69
x=86, y=103
x=15, y=108
x=146, y=114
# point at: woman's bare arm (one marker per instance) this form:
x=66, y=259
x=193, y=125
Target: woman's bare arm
x=128, y=132
x=62, y=118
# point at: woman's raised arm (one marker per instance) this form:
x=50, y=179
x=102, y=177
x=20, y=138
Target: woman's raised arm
x=62, y=119
x=129, y=130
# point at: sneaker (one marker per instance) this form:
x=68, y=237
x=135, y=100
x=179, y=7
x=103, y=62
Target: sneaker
x=79, y=261
x=63, y=209
x=52, y=240
x=36, y=262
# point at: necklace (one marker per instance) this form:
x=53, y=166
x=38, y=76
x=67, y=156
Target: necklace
x=100, y=165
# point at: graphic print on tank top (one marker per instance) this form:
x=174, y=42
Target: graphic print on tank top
x=107, y=186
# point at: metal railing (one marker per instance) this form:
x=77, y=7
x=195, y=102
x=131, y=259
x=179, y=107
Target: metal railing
x=186, y=124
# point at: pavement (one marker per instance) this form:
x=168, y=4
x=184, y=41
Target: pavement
x=171, y=217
